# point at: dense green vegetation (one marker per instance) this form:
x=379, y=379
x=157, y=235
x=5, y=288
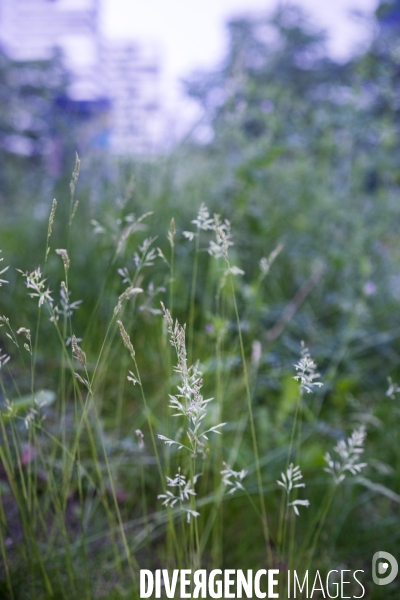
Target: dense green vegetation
x=302, y=160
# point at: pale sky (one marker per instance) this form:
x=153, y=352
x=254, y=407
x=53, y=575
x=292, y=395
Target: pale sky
x=190, y=34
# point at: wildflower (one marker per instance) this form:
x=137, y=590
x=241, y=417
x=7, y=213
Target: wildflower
x=290, y=482
x=349, y=455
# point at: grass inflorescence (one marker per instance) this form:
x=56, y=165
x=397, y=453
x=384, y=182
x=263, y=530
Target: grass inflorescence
x=138, y=442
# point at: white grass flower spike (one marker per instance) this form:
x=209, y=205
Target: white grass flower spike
x=290, y=481
x=185, y=490
x=2, y=272
x=188, y=402
x=306, y=368
x=233, y=479
x=348, y=456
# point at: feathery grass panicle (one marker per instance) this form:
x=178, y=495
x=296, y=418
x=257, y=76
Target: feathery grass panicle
x=130, y=188
x=189, y=402
x=10, y=333
x=183, y=493
x=2, y=272
x=119, y=230
x=50, y=227
x=219, y=248
x=126, y=339
x=129, y=293
x=51, y=218
x=202, y=222
x=206, y=539
x=66, y=308
x=75, y=208
x=78, y=352
x=80, y=356
x=132, y=225
x=306, y=371
x=233, y=479
x=265, y=264
x=72, y=187
x=393, y=389
x=64, y=256
x=348, y=456
x=290, y=482
x=75, y=175
x=27, y=333
x=172, y=233
x=34, y=281
x=140, y=438
x=4, y=358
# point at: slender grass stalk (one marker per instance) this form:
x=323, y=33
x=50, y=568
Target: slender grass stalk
x=192, y=296
x=252, y=426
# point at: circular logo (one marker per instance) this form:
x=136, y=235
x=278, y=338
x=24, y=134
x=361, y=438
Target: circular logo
x=381, y=573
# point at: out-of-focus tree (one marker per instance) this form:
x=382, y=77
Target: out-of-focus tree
x=378, y=75
x=304, y=150
x=275, y=75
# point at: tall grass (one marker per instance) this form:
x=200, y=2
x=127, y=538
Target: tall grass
x=152, y=450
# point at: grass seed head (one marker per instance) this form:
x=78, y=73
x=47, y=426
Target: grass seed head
x=126, y=339
x=51, y=218
x=78, y=352
x=65, y=258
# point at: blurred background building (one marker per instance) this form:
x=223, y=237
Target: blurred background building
x=113, y=86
